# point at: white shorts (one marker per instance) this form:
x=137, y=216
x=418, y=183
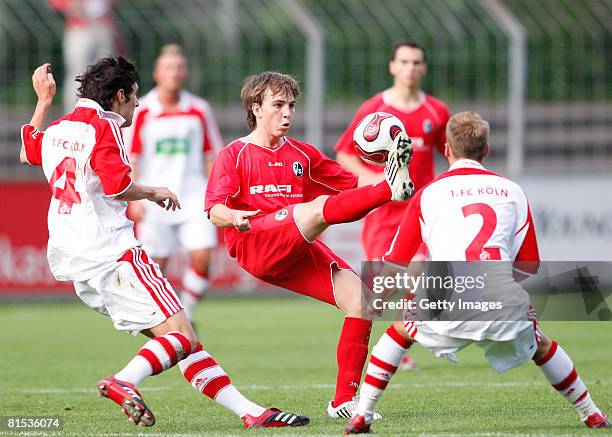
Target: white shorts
x=160, y=239
x=502, y=355
x=134, y=293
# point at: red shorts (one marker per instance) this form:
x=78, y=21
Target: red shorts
x=275, y=251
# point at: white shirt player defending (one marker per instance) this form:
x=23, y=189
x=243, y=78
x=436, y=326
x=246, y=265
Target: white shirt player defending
x=471, y=214
x=83, y=240
x=171, y=149
x=91, y=242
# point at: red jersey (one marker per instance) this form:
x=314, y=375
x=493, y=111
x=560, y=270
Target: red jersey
x=426, y=126
x=246, y=176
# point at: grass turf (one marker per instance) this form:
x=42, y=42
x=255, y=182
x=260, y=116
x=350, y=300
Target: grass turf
x=280, y=352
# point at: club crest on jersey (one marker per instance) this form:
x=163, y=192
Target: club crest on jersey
x=281, y=215
x=370, y=133
x=298, y=169
x=427, y=126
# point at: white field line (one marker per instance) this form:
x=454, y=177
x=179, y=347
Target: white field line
x=256, y=387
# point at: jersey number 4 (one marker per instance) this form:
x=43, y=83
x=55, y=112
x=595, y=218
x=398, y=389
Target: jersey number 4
x=476, y=250
x=67, y=196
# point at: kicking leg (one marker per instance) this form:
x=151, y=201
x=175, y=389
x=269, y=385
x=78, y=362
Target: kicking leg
x=312, y=218
x=560, y=371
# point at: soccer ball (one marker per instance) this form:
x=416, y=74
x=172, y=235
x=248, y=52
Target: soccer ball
x=374, y=136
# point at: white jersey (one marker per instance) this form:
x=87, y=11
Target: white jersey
x=470, y=214
x=84, y=160
x=171, y=149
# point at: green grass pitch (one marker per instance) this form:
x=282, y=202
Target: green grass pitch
x=280, y=352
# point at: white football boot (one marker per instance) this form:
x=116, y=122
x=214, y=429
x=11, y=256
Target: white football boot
x=396, y=169
x=346, y=410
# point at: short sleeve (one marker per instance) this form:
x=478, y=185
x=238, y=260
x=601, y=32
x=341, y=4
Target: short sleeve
x=109, y=159
x=345, y=143
x=408, y=238
x=224, y=181
x=31, y=139
x=327, y=176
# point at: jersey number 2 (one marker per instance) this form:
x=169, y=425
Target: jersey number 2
x=67, y=196
x=476, y=250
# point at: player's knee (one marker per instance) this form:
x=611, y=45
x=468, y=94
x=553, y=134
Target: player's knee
x=543, y=348
x=190, y=335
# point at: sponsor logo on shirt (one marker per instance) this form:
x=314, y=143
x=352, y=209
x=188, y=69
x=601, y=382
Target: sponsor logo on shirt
x=298, y=169
x=172, y=146
x=281, y=215
x=269, y=188
x=275, y=164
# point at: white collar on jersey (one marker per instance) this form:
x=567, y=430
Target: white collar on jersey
x=155, y=107
x=92, y=104
x=466, y=163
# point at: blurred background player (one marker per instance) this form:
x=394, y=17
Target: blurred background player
x=479, y=225
x=276, y=195
x=89, y=34
x=173, y=141
x=424, y=118
x=92, y=243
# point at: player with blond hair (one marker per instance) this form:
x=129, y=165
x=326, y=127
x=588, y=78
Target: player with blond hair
x=472, y=214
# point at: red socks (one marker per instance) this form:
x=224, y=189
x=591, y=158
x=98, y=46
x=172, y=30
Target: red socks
x=351, y=354
x=352, y=205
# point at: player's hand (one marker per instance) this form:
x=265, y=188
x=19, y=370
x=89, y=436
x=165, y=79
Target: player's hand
x=44, y=83
x=241, y=219
x=165, y=198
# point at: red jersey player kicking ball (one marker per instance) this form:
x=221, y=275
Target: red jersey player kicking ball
x=92, y=243
x=484, y=224
x=275, y=195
